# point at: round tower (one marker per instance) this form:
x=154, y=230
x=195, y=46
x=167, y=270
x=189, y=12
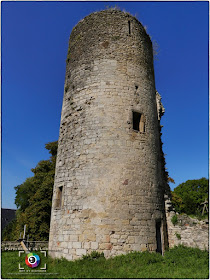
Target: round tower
x=109, y=183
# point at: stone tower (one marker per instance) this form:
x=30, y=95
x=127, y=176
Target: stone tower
x=110, y=177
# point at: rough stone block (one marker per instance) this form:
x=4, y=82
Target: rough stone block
x=90, y=237
x=76, y=245
x=80, y=252
x=86, y=245
x=70, y=245
x=105, y=246
x=94, y=245
x=143, y=247
x=131, y=239
x=66, y=237
x=69, y=257
x=65, y=251
x=73, y=237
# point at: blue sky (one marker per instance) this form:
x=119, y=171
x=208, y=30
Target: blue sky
x=34, y=48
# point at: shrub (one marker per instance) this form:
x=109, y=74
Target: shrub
x=174, y=220
x=178, y=235
x=93, y=256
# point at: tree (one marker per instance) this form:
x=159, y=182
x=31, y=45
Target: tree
x=189, y=196
x=34, y=198
x=7, y=233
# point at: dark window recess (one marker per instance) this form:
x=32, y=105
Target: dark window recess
x=129, y=27
x=158, y=237
x=136, y=120
x=58, y=202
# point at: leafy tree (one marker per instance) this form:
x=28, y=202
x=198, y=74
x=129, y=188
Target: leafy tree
x=34, y=198
x=7, y=233
x=189, y=196
x=23, y=194
x=177, y=202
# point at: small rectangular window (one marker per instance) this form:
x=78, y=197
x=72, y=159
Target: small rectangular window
x=139, y=122
x=58, y=201
x=136, y=120
x=129, y=27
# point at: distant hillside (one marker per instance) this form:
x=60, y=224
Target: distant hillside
x=7, y=215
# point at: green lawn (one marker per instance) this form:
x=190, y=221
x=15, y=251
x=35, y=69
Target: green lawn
x=179, y=262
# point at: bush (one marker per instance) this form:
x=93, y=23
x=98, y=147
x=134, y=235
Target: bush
x=93, y=256
x=7, y=234
x=174, y=220
x=178, y=235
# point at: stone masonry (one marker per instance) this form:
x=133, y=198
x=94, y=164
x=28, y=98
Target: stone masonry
x=187, y=231
x=110, y=176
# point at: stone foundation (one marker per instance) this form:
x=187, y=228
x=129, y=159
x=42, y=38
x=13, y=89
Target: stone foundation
x=188, y=231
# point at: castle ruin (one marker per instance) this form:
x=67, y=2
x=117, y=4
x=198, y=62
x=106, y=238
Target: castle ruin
x=110, y=177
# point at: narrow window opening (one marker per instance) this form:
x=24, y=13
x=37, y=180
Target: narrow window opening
x=129, y=27
x=136, y=120
x=158, y=237
x=139, y=122
x=58, y=202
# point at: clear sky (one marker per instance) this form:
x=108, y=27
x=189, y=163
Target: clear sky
x=34, y=48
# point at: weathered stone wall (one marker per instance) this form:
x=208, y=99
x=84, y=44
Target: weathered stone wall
x=110, y=176
x=188, y=231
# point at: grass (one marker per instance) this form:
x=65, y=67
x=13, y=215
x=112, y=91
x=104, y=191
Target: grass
x=179, y=262
x=199, y=216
